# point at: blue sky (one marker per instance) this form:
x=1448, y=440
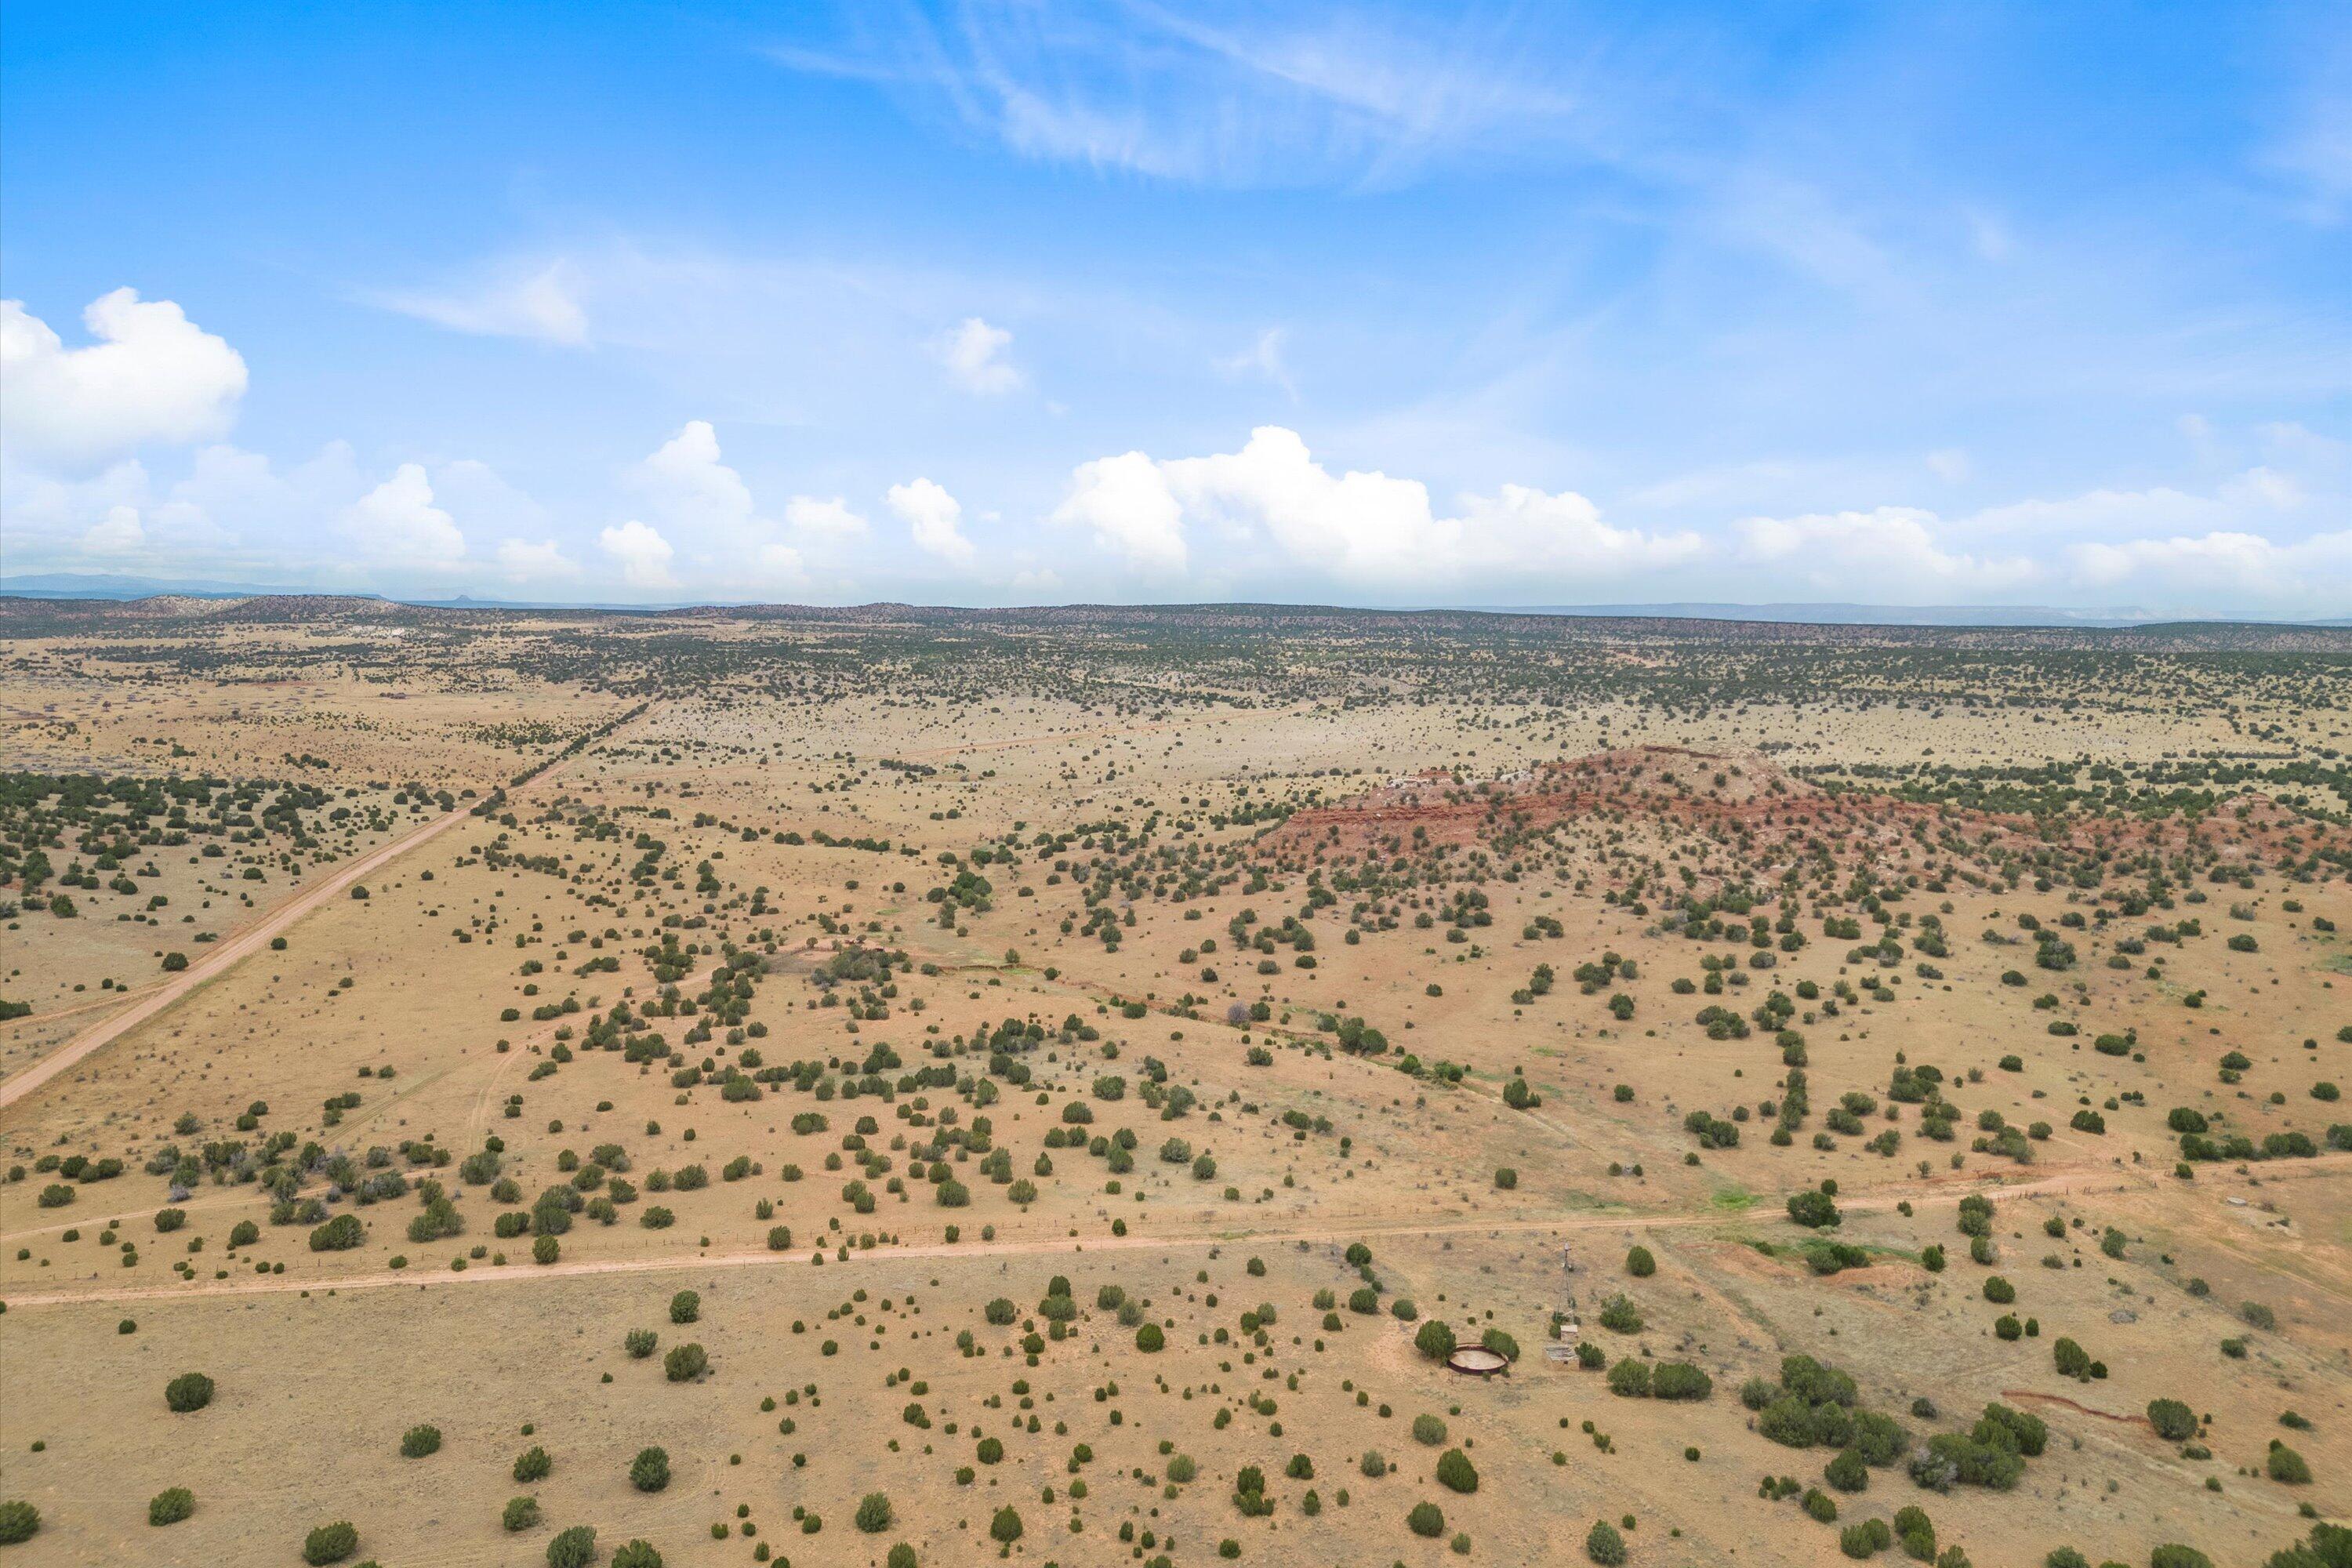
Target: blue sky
x=1020, y=303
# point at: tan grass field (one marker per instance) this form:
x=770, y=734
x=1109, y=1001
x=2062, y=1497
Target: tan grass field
x=1164, y=778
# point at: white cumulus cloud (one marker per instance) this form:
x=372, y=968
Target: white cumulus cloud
x=2224, y=568
x=974, y=354
x=1365, y=529
x=690, y=487
x=524, y=560
x=935, y=519
x=1887, y=555
x=152, y=375
x=641, y=552
x=823, y=517
x=118, y=533
x=1127, y=503
x=398, y=523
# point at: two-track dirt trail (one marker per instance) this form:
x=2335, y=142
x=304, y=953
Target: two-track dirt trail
x=218, y=960
x=1942, y=1195
x=225, y=956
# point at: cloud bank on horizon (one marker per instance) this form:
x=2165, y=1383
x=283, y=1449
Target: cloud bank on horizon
x=1378, y=304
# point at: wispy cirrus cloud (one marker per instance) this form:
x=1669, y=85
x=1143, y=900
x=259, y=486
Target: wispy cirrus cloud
x=1281, y=100
x=545, y=301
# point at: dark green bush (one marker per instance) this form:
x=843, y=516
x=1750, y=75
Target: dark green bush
x=1679, y=1380
x=330, y=1544
x=340, y=1234
x=572, y=1548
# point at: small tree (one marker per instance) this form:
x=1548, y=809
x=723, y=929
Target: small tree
x=572, y=1548
x=188, y=1392
x=1603, y=1544
x=872, y=1514
x=419, y=1441
x=685, y=1362
x=1426, y=1520
x=2173, y=1421
x=1005, y=1528
x=1630, y=1379
x=1618, y=1315
x=685, y=1307
x=1456, y=1472
x=19, y=1522
x=1640, y=1264
x=2287, y=1465
x=330, y=1544
x=532, y=1465
x=649, y=1471
x=1680, y=1379
x=1815, y=1210
x=1434, y=1340
x=636, y=1554
x=340, y=1234
x=521, y=1513
x=171, y=1505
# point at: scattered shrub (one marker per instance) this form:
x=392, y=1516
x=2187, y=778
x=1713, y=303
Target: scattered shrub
x=572, y=1548
x=331, y=1543
x=189, y=1391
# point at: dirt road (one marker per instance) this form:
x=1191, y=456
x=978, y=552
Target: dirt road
x=217, y=959
x=1941, y=1196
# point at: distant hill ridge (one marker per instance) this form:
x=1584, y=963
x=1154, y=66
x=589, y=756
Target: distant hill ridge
x=26, y=615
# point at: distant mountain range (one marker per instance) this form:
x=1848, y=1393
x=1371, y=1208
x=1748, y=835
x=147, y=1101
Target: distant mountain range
x=92, y=585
